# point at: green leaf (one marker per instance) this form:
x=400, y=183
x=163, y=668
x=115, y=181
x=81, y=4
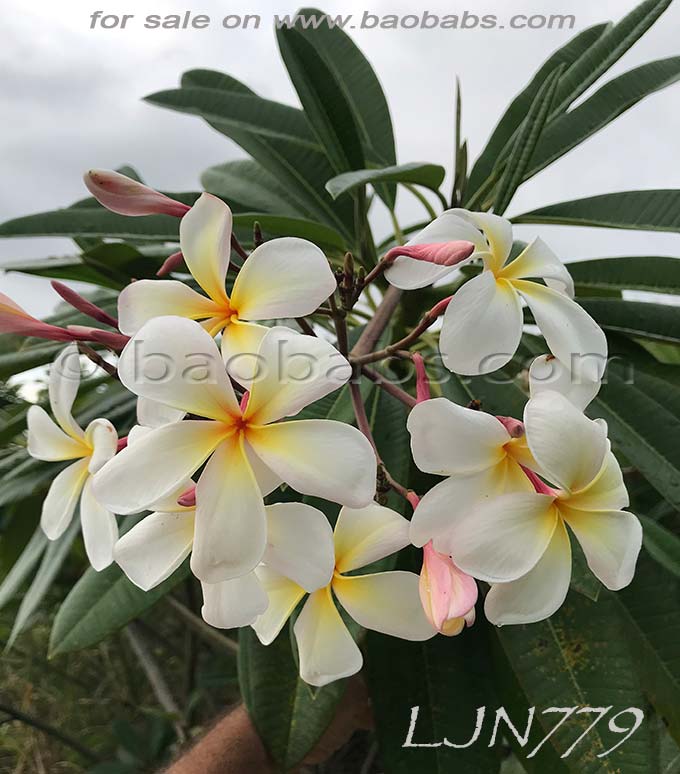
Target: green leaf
x=23, y=566
x=661, y=544
x=447, y=678
x=289, y=715
x=52, y=560
x=659, y=322
x=428, y=175
x=580, y=657
x=651, y=210
x=527, y=138
x=654, y=273
x=100, y=604
x=618, y=95
x=213, y=79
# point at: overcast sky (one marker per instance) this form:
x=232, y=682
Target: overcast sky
x=71, y=100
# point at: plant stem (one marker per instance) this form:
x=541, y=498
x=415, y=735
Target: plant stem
x=201, y=628
x=237, y=247
x=398, y=233
x=421, y=198
x=374, y=329
x=305, y=326
x=340, y=326
x=97, y=359
x=387, y=386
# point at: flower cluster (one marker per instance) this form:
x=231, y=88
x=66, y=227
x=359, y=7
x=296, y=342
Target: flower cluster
x=218, y=393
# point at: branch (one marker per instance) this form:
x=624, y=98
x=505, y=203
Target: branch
x=374, y=329
x=386, y=384
x=201, y=628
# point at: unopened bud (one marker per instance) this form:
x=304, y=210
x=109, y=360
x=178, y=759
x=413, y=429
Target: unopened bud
x=422, y=381
x=514, y=427
x=83, y=305
x=170, y=264
x=126, y=196
x=188, y=499
x=14, y=319
x=439, y=253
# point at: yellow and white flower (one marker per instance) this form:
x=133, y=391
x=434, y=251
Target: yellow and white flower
x=249, y=452
x=548, y=373
x=66, y=440
x=386, y=602
x=286, y=277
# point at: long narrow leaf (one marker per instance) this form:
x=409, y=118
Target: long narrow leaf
x=428, y=175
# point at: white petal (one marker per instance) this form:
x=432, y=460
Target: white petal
x=155, y=547
x=100, y=530
x=233, y=603
x=48, y=442
x=610, y=540
x=283, y=595
x=447, y=438
x=240, y=347
x=230, y=534
x=266, y=479
x=539, y=593
x=365, y=535
x=570, y=332
x=319, y=457
x=205, y=239
x=151, y=413
x=482, y=326
x=62, y=498
x=387, y=602
x=102, y=437
x=63, y=388
x=568, y=447
x=174, y=361
x=498, y=233
x=606, y=492
x=326, y=648
x=143, y=300
x=549, y=373
x=300, y=544
x=538, y=261
x=287, y=277
x=295, y=370
x=156, y=465
x=502, y=539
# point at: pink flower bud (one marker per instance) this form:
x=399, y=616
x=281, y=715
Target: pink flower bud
x=440, y=253
x=188, y=498
x=171, y=263
x=422, y=382
x=448, y=595
x=14, y=319
x=126, y=196
x=539, y=485
x=514, y=427
x=115, y=341
x=83, y=305
x=122, y=444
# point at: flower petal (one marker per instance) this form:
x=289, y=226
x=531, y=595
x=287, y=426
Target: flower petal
x=151, y=413
x=156, y=465
x=568, y=447
x=295, y=371
x=607, y=490
x=174, y=361
x=538, y=594
x=62, y=498
x=549, y=373
x=231, y=526
x=538, y=261
x=300, y=544
x=63, y=388
x=502, y=539
x=267, y=480
x=365, y=535
x=205, y=239
x=143, y=300
x=319, y=457
x=48, y=442
x=387, y=602
x=326, y=648
x=611, y=542
x=570, y=332
x=286, y=277
x=241, y=342
x=102, y=437
x=100, y=530
x=155, y=547
x=447, y=438
x=410, y=274
x=482, y=326
x=498, y=233
x=233, y=603
x=284, y=595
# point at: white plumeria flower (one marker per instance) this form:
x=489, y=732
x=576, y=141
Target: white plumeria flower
x=387, y=602
x=548, y=373
x=476, y=451
x=151, y=413
x=299, y=543
x=519, y=542
x=249, y=452
x=66, y=440
x=287, y=277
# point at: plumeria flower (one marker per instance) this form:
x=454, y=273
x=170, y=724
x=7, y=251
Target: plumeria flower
x=386, y=602
x=519, y=541
x=66, y=440
x=287, y=277
x=447, y=593
x=249, y=453
x=299, y=543
x=548, y=373
x=480, y=455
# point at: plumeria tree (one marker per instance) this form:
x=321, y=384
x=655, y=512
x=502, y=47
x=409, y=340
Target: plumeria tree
x=431, y=460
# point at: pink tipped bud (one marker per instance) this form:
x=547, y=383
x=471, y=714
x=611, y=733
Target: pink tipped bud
x=413, y=498
x=514, y=427
x=171, y=263
x=83, y=305
x=122, y=444
x=115, y=341
x=244, y=401
x=126, y=196
x=448, y=594
x=14, y=319
x=188, y=499
x=539, y=485
x=422, y=381
x=440, y=307
x=441, y=253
